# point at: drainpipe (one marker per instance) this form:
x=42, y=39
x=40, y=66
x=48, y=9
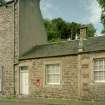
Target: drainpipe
x=14, y=4
x=14, y=50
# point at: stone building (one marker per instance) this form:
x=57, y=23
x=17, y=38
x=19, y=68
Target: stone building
x=32, y=67
x=18, y=33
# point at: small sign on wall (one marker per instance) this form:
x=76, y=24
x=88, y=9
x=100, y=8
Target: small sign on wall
x=37, y=83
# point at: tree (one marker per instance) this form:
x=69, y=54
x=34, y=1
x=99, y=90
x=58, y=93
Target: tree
x=60, y=26
x=102, y=4
x=5, y=2
x=75, y=30
x=58, y=29
x=51, y=29
x=90, y=30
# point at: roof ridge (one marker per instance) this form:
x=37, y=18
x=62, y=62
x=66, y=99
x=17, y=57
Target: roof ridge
x=96, y=37
x=61, y=42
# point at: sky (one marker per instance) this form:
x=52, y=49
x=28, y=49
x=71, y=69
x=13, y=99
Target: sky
x=80, y=11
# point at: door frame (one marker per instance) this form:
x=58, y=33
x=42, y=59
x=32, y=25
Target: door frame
x=20, y=71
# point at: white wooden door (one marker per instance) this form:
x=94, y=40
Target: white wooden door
x=24, y=85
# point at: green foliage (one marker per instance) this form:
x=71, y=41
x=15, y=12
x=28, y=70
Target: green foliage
x=58, y=29
x=90, y=30
x=7, y=98
x=102, y=4
x=2, y=2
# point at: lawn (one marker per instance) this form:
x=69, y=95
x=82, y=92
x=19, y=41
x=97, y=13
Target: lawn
x=45, y=101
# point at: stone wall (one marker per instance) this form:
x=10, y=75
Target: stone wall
x=77, y=78
x=7, y=48
x=9, y=39
x=69, y=77
x=89, y=89
x=76, y=71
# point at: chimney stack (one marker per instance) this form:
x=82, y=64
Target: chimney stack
x=83, y=32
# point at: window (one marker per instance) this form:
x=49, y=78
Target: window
x=52, y=74
x=99, y=70
x=1, y=78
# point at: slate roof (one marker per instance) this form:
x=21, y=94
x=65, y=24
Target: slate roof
x=94, y=44
x=65, y=48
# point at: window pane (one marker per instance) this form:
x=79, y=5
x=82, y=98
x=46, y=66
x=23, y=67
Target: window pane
x=53, y=78
x=104, y=67
x=99, y=69
x=56, y=78
x=99, y=75
x=96, y=68
x=104, y=75
x=50, y=70
x=98, y=78
x=50, y=79
x=100, y=62
x=52, y=73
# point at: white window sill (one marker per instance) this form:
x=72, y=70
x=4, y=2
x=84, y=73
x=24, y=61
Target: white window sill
x=99, y=81
x=53, y=84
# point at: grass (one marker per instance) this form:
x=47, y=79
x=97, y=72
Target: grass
x=80, y=103
x=7, y=98
x=46, y=101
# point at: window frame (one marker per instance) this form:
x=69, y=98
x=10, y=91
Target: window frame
x=2, y=79
x=52, y=63
x=103, y=70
